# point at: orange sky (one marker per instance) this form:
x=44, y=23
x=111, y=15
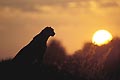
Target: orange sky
x=74, y=21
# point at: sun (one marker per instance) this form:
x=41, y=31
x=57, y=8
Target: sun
x=101, y=37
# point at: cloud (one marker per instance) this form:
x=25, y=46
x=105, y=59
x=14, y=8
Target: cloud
x=30, y=5
x=107, y=4
x=36, y=5
x=24, y=5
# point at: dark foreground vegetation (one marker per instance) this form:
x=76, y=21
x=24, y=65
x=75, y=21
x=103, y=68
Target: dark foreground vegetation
x=90, y=63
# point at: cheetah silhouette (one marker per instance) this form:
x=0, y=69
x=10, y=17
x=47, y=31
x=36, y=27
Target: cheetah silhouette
x=35, y=50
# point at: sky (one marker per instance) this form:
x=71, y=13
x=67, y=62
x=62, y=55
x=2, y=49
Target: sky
x=74, y=21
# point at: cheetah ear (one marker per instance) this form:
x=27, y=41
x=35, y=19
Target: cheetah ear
x=48, y=27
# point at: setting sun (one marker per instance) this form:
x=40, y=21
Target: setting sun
x=101, y=37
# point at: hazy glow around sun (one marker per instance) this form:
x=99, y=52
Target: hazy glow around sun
x=101, y=37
